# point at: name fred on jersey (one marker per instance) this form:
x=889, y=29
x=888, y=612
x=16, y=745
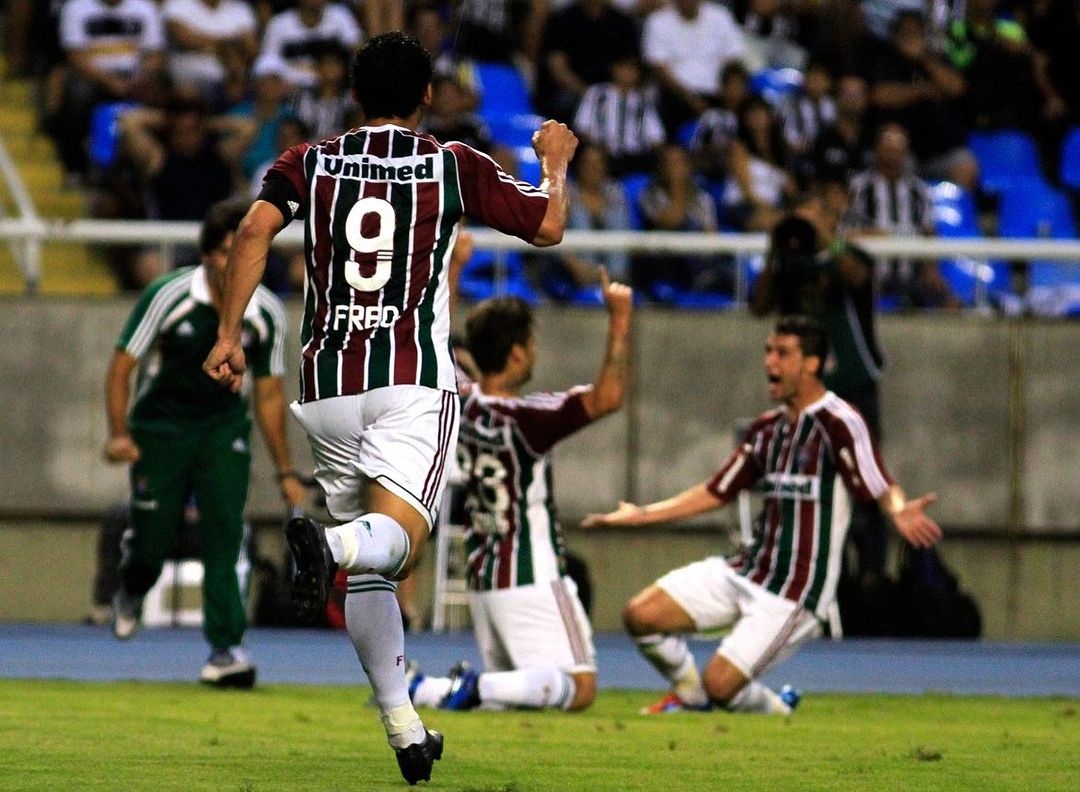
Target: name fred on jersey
x=365, y=317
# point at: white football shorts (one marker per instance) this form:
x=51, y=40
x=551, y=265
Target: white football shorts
x=402, y=436
x=542, y=624
x=765, y=628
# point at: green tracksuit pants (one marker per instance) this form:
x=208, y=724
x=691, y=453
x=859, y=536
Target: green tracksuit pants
x=214, y=464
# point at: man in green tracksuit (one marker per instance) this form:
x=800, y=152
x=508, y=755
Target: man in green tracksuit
x=185, y=435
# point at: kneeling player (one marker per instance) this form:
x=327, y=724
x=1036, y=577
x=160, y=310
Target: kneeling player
x=811, y=454
x=532, y=630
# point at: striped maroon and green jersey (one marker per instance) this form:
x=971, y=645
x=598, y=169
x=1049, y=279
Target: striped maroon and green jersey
x=808, y=471
x=381, y=207
x=512, y=534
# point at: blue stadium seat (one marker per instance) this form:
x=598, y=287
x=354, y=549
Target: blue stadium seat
x=680, y=298
x=685, y=134
x=514, y=129
x=775, y=85
x=1033, y=208
x=954, y=217
x=503, y=90
x=1070, y=159
x=479, y=281
x=565, y=292
x=1004, y=157
x=634, y=185
x=528, y=165
x=105, y=132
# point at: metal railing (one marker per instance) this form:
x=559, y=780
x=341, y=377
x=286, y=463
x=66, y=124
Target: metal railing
x=28, y=233
x=25, y=249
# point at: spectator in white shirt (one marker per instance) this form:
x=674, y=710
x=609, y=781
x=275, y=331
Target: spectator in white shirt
x=114, y=53
x=199, y=33
x=686, y=44
x=299, y=34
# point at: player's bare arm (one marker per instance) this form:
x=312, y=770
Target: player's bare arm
x=688, y=503
x=555, y=145
x=606, y=394
x=119, y=448
x=269, y=403
x=247, y=262
x=909, y=516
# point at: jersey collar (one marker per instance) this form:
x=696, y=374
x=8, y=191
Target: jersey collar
x=200, y=292
x=817, y=405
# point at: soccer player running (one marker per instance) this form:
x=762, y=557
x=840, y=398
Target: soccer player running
x=186, y=435
x=381, y=205
x=811, y=455
x=530, y=625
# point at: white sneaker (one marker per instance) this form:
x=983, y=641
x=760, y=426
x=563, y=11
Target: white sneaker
x=127, y=614
x=229, y=668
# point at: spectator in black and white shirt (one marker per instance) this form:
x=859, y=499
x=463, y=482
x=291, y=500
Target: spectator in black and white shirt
x=298, y=35
x=323, y=107
x=891, y=199
x=842, y=148
x=710, y=141
x=807, y=112
x=621, y=117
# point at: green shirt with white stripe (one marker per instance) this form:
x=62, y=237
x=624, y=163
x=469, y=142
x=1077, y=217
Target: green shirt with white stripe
x=171, y=330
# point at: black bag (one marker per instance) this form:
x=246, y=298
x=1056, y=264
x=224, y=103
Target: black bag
x=931, y=602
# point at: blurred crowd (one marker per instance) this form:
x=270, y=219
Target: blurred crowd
x=694, y=115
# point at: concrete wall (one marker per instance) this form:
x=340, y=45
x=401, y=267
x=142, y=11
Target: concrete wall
x=1001, y=457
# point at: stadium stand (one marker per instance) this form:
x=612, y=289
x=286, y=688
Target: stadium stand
x=1004, y=157
x=503, y=91
x=66, y=268
x=1070, y=160
x=955, y=217
x=1033, y=208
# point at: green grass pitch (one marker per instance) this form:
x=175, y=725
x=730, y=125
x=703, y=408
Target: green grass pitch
x=141, y=736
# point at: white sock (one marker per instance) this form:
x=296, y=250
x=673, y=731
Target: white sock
x=756, y=697
x=373, y=619
x=371, y=544
x=528, y=687
x=431, y=691
x=671, y=656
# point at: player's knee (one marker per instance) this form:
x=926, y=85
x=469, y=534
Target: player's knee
x=633, y=618
x=584, y=692
x=722, y=681
x=640, y=617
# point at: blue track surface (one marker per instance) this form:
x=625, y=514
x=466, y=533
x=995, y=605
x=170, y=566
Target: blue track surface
x=326, y=657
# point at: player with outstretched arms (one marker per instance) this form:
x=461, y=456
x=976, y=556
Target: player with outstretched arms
x=811, y=455
x=378, y=396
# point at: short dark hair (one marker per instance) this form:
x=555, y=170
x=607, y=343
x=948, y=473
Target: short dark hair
x=492, y=329
x=390, y=74
x=221, y=220
x=813, y=339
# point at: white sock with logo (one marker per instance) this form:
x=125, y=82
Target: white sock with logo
x=671, y=656
x=758, y=698
x=373, y=618
x=528, y=687
x=372, y=543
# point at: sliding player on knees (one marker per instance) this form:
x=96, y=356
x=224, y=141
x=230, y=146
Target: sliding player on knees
x=811, y=455
x=532, y=630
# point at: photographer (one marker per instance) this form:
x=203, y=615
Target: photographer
x=811, y=269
